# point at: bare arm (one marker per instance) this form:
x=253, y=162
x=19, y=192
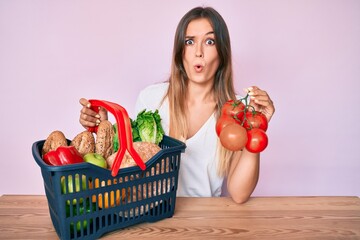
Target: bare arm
x=244, y=169
x=243, y=175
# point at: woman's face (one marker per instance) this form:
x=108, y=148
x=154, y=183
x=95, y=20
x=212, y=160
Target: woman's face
x=200, y=57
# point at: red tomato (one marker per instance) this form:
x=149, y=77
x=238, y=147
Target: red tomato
x=255, y=119
x=223, y=121
x=257, y=140
x=240, y=116
x=233, y=137
x=232, y=108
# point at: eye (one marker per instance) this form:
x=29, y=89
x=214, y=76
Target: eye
x=189, y=42
x=210, y=42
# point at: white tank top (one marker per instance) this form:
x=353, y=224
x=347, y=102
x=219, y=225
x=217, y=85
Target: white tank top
x=198, y=168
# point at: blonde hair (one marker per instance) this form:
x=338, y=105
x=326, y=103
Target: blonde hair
x=223, y=87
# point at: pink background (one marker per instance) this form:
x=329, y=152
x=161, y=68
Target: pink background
x=306, y=54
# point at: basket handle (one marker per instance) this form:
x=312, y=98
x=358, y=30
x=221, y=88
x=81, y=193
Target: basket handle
x=124, y=133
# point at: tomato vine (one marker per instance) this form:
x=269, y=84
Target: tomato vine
x=247, y=129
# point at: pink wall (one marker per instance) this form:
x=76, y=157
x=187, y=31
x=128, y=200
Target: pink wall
x=306, y=54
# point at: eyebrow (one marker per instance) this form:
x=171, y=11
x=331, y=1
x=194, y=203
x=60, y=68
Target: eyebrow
x=211, y=32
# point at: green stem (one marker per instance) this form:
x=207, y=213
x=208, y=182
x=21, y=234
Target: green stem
x=247, y=106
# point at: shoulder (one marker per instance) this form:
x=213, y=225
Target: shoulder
x=150, y=97
x=155, y=90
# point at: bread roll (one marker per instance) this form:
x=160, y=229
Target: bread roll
x=53, y=141
x=146, y=150
x=84, y=142
x=104, y=139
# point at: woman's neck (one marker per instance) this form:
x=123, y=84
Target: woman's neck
x=200, y=106
x=200, y=93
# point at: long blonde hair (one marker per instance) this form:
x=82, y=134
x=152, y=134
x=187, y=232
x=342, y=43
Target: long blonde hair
x=223, y=87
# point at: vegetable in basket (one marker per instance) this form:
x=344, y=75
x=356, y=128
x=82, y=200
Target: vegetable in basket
x=116, y=138
x=88, y=208
x=74, y=184
x=107, y=199
x=148, y=124
x=145, y=128
x=71, y=185
x=63, y=155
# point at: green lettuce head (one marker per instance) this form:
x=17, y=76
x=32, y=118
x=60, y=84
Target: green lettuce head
x=149, y=127
x=145, y=128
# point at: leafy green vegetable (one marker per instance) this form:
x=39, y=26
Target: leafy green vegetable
x=148, y=124
x=116, y=138
x=145, y=128
x=135, y=131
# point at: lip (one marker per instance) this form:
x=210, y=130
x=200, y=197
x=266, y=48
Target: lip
x=198, y=68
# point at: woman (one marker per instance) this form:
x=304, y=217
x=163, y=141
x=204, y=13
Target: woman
x=190, y=102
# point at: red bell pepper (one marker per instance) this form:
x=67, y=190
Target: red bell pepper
x=63, y=155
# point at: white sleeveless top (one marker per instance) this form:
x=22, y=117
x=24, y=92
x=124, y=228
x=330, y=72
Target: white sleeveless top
x=198, y=168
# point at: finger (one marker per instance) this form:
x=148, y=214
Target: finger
x=86, y=119
x=89, y=118
x=257, y=92
x=87, y=124
x=84, y=102
x=259, y=95
x=253, y=107
x=88, y=111
x=92, y=117
x=251, y=89
x=261, y=98
x=103, y=113
x=263, y=102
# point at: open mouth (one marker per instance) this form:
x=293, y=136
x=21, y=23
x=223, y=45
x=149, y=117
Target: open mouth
x=198, y=67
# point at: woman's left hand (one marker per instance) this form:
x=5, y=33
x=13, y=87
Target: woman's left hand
x=261, y=101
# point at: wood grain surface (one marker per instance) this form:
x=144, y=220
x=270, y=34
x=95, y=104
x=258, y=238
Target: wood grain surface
x=27, y=217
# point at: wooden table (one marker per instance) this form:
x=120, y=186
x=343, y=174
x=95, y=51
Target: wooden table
x=27, y=217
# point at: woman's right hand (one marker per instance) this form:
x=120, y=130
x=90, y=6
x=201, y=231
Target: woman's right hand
x=90, y=118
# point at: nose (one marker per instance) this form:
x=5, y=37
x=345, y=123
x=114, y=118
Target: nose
x=199, y=51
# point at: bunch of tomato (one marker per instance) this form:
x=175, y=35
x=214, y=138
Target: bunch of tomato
x=240, y=126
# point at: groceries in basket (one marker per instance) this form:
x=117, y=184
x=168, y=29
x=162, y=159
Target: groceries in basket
x=132, y=176
x=101, y=150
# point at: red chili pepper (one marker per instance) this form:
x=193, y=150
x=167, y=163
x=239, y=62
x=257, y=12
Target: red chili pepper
x=63, y=155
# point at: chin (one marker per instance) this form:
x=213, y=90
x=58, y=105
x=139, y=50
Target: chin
x=200, y=80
